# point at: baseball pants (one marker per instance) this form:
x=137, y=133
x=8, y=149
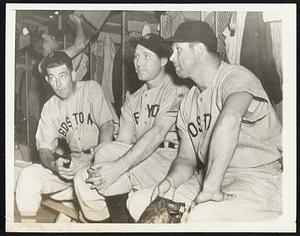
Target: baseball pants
x=146, y=174
x=257, y=190
x=258, y=196
x=35, y=180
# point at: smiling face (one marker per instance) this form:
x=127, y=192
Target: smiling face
x=61, y=80
x=147, y=64
x=184, y=59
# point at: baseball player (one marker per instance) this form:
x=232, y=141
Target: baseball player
x=43, y=43
x=227, y=124
x=146, y=144
x=77, y=113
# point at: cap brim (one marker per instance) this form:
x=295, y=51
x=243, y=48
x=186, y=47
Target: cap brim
x=175, y=39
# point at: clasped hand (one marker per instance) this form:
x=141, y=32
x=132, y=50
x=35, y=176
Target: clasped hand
x=103, y=174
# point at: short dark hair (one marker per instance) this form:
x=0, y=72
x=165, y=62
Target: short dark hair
x=55, y=59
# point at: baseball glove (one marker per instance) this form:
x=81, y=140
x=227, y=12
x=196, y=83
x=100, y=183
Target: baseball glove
x=162, y=211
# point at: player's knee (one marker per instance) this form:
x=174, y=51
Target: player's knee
x=30, y=173
x=106, y=151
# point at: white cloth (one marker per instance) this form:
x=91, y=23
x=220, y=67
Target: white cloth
x=233, y=42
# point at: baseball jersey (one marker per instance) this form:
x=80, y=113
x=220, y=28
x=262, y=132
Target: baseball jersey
x=76, y=119
x=144, y=106
x=260, y=134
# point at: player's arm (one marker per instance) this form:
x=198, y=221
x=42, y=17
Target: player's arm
x=184, y=166
x=148, y=143
x=141, y=150
x=79, y=44
x=47, y=160
x=223, y=144
x=106, y=131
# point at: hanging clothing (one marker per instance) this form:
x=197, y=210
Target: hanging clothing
x=204, y=14
x=97, y=60
x=170, y=22
x=256, y=55
x=233, y=37
x=210, y=19
x=109, y=54
x=223, y=19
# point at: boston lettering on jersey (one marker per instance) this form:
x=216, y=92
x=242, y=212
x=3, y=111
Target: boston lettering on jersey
x=201, y=124
x=78, y=118
x=152, y=112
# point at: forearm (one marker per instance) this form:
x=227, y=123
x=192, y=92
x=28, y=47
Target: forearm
x=180, y=171
x=106, y=132
x=223, y=144
x=143, y=148
x=47, y=158
x=80, y=40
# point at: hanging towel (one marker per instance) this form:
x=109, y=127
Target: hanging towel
x=233, y=37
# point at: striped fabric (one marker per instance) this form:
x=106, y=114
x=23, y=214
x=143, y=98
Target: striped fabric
x=222, y=21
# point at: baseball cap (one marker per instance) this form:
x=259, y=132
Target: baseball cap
x=56, y=58
x=152, y=42
x=193, y=31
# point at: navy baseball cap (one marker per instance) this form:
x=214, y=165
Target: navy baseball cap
x=152, y=42
x=56, y=58
x=195, y=31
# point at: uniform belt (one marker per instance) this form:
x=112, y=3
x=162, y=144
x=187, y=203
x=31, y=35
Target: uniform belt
x=167, y=145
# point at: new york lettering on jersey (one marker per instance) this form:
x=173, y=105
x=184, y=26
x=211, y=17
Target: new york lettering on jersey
x=152, y=112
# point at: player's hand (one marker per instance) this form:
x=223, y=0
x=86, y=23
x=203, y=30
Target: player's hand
x=164, y=189
x=76, y=20
x=216, y=196
x=103, y=174
x=66, y=173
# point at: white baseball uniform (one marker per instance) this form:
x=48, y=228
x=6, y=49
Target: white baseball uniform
x=77, y=120
x=254, y=173
x=139, y=112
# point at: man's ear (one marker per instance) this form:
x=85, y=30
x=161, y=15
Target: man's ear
x=47, y=78
x=73, y=75
x=200, y=49
x=164, y=61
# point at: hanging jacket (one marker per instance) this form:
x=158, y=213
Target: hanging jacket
x=256, y=55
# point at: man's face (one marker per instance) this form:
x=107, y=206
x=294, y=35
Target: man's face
x=147, y=64
x=50, y=43
x=61, y=81
x=183, y=58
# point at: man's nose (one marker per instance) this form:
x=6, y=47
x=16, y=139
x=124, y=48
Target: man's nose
x=172, y=57
x=58, y=83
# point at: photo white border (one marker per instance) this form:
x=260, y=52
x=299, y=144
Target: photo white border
x=285, y=223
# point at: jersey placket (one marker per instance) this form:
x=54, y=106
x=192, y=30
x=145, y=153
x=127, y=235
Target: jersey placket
x=144, y=113
x=76, y=130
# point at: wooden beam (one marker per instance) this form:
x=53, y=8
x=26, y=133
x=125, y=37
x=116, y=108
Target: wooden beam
x=59, y=207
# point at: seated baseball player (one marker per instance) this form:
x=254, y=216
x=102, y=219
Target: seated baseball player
x=43, y=43
x=77, y=113
x=146, y=144
x=227, y=124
